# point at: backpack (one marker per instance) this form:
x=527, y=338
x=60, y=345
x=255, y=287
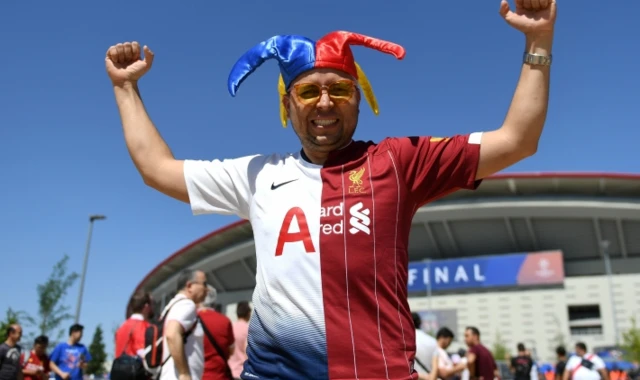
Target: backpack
x=127, y=367
x=153, y=343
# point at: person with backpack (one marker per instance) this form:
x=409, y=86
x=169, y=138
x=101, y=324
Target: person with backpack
x=522, y=364
x=130, y=340
x=175, y=343
x=585, y=366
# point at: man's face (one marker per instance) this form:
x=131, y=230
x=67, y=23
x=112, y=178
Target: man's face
x=40, y=349
x=325, y=123
x=197, y=288
x=580, y=351
x=17, y=333
x=469, y=338
x=76, y=336
x=445, y=343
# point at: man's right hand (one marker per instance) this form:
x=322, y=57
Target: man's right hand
x=124, y=64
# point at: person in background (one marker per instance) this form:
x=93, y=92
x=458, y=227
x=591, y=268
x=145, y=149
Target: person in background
x=561, y=353
x=481, y=364
x=36, y=366
x=441, y=363
x=240, y=333
x=218, y=335
x=585, y=366
x=425, y=347
x=522, y=365
x=69, y=359
x=183, y=351
x=10, y=368
x=130, y=335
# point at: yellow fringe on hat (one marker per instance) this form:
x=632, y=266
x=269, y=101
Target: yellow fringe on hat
x=368, y=91
x=282, y=91
x=363, y=81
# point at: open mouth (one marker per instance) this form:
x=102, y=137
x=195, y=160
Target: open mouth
x=324, y=122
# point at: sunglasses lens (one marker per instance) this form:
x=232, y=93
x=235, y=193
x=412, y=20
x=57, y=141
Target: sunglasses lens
x=308, y=91
x=341, y=90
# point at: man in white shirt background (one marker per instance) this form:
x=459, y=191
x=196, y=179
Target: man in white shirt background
x=425, y=347
x=585, y=366
x=186, y=361
x=444, y=366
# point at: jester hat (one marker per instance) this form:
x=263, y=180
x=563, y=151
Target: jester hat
x=297, y=54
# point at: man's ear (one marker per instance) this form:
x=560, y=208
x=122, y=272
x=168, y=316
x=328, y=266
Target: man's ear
x=286, y=102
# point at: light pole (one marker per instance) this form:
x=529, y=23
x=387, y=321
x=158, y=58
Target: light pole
x=604, y=245
x=92, y=218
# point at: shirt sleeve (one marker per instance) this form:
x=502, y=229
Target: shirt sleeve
x=183, y=312
x=55, y=355
x=432, y=167
x=87, y=355
x=221, y=186
x=598, y=363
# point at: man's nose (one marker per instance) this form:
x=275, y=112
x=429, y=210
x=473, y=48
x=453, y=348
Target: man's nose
x=324, y=103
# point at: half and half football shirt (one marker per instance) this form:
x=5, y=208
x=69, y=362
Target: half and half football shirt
x=331, y=243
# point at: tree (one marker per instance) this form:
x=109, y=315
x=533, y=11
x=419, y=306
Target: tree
x=500, y=350
x=98, y=354
x=558, y=339
x=12, y=317
x=51, y=312
x=631, y=341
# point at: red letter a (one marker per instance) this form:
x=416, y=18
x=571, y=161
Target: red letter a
x=289, y=237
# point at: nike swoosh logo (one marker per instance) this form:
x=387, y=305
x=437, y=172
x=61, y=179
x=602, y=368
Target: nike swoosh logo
x=274, y=186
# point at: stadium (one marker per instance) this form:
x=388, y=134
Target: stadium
x=542, y=259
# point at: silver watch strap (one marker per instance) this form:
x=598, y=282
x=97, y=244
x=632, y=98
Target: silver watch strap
x=536, y=59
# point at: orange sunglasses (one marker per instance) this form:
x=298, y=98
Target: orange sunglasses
x=339, y=92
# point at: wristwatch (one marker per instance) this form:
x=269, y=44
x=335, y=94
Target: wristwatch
x=536, y=59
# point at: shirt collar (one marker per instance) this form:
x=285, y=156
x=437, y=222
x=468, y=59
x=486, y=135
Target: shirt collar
x=137, y=316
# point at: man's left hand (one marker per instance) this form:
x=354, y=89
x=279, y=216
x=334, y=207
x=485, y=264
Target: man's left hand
x=531, y=17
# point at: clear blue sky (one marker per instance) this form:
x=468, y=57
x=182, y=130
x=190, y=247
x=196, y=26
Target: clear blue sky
x=63, y=154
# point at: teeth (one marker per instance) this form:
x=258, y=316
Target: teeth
x=325, y=122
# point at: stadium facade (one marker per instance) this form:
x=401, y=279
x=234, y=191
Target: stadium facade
x=535, y=258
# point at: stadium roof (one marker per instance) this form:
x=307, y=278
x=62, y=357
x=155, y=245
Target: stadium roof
x=508, y=213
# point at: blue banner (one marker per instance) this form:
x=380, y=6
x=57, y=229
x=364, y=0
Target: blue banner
x=521, y=269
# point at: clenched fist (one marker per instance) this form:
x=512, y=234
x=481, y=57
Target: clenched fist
x=531, y=17
x=124, y=63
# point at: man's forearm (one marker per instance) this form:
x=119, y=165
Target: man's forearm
x=146, y=146
x=176, y=349
x=528, y=111
x=56, y=369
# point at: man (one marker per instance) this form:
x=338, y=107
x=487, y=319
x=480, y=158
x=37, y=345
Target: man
x=240, y=333
x=442, y=364
x=481, y=364
x=183, y=352
x=521, y=365
x=561, y=353
x=69, y=359
x=585, y=366
x=331, y=222
x=218, y=335
x=425, y=347
x=10, y=368
x=36, y=366
x=130, y=335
